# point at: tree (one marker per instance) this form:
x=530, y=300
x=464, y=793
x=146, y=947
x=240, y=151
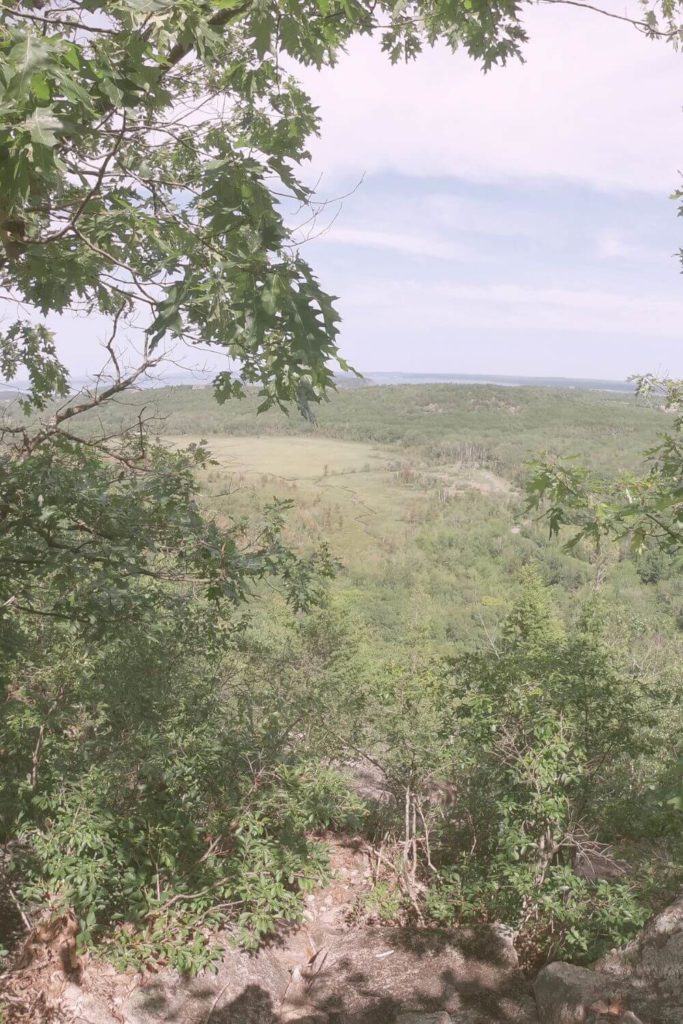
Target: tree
x=549, y=731
x=148, y=167
x=148, y=156
x=646, y=510
x=148, y=150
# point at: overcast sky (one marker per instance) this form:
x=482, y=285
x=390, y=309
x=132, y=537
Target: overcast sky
x=514, y=223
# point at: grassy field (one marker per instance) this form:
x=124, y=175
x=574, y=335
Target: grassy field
x=292, y=458
x=348, y=492
x=418, y=491
x=366, y=500
x=416, y=557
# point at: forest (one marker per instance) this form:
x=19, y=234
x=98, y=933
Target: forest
x=244, y=623
x=400, y=607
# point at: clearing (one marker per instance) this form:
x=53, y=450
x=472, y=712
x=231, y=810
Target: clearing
x=292, y=458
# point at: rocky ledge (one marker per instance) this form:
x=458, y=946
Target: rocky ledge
x=640, y=984
x=369, y=976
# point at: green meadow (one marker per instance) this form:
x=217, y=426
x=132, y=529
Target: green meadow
x=418, y=491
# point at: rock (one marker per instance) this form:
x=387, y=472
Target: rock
x=296, y=1005
x=424, y=1018
x=79, y=1005
x=377, y=975
x=369, y=976
x=564, y=993
x=597, y=866
x=656, y=954
x=646, y=977
x=368, y=781
x=651, y=966
x=245, y=990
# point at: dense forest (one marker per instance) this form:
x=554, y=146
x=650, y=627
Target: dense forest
x=241, y=621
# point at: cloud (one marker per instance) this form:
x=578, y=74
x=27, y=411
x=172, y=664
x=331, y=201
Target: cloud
x=596, y=102
x=613, y=245
x=394, y=241
x=513, y=222
x=435, y=306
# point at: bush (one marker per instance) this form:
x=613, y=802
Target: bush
x=156, y=788
x=509, y=767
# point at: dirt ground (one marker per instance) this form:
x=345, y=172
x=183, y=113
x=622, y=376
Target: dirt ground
x=340, y=966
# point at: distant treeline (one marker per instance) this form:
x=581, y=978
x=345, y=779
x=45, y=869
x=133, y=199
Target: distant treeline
x=606, y=430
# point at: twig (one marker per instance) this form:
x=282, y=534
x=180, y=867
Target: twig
x=61, y=22
x=426, y=838
x=35, y=757
x=25, y=920
x=642, y=26
x=216, y=1001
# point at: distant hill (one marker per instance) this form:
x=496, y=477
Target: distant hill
x=605, y=428
x=380, y=378
x=383, y=377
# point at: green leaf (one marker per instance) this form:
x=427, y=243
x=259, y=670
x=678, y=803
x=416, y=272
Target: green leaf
x=28, y=54
x=42, y=125
x=40, y=87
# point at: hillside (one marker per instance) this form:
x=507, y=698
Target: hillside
x=461, y=688
x=418, y=491
x=512, y=424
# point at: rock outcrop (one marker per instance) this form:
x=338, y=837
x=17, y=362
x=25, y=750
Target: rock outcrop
x=385, y=975
x=245, y=990
x=372, y=975
x=652, y=966
x=566, y=994
x=640, y=984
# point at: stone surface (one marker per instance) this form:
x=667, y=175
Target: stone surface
x=653, y=966
x=369, y=976
x=85, y=1008
x=377, y=975
x=245, y=990
x=646, y=976
x=564, y=993
x=424, y=1018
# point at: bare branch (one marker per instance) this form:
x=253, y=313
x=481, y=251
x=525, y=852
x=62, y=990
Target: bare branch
x=642, y=26
x=61, y=22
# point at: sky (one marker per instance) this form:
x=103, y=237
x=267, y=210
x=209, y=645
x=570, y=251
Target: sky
x=518, y=222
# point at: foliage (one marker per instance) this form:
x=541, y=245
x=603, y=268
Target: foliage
x=570, y=917
x=531, y=755
x=154, y=793
x=443, y=543
x=645, y=509
x=132, y=744
x=169, y=763
x=148, y=151
x=440, y=424
x=99, y=541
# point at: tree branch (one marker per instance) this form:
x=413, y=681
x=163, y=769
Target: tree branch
x=642, y=26
x=218, y=21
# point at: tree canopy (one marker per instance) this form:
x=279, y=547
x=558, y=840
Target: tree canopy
x=644, y=509
x=149, y=151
